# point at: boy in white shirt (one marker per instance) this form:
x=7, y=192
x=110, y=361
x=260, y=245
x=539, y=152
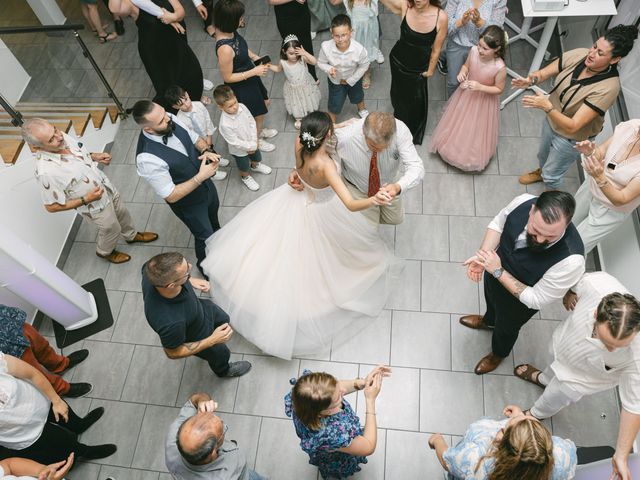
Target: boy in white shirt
x=345, y=61
x=238, y=128
x=192, y=113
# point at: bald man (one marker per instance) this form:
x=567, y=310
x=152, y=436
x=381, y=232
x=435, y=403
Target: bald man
x=197, y=447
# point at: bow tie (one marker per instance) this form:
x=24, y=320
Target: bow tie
x=166, y=136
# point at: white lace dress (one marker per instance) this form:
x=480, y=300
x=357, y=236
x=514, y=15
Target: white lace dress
x=298, y=273
x=300, y=92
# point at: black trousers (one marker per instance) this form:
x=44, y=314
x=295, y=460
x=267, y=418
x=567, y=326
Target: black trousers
x=300, y=26
x=57, y=441
x=217, y=356
x=505, y=313
x=201, y=220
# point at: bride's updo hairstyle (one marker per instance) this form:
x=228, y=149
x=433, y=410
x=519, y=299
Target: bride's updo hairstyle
x=314, y=128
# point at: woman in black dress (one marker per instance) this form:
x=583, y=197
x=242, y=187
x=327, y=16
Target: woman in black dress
x=163, y=47
x=413, y=60
x=293, y=18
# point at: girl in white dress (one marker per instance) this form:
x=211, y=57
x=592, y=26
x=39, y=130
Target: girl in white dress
x=299, y=271
x=300, y=91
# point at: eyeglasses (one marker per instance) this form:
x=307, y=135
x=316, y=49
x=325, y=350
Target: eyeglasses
x=186, y=277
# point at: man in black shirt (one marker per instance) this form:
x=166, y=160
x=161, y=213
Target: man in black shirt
x=187, y=325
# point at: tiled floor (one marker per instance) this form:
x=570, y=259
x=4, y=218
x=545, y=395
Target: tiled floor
x=432, y=388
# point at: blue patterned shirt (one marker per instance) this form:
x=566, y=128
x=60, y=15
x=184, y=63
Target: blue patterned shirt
x=12, y=339
x=492, y=12
x=463, y=458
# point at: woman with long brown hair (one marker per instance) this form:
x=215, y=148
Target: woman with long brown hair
x=518, y=447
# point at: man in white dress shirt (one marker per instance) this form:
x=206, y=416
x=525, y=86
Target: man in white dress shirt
x=377, y=153
x=595, y=349
x=530, y=256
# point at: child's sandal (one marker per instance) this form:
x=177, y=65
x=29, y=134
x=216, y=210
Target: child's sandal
x=108, y=37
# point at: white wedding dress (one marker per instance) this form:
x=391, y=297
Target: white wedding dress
x=298, y=273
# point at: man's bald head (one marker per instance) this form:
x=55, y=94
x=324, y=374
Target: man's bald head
x=198, y=438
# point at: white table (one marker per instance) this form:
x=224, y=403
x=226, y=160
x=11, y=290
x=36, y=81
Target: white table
x=576, y=8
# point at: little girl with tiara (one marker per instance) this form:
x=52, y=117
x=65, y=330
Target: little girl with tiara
x=300, y=91
x=467, y=134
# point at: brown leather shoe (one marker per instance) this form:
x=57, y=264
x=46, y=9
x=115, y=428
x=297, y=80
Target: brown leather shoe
x=115, y=257
x=488, y=364
x=531, y=177
x=474, y=321
x=144, y=237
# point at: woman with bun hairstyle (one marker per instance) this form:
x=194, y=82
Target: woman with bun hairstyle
x=299, y=272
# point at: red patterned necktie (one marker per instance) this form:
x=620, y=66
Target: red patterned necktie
x=374, y=175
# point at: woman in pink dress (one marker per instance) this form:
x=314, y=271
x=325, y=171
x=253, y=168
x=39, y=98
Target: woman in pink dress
x=467, y=134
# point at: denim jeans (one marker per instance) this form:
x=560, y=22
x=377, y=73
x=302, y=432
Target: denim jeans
x=253, y=475
x=555, y=155
x=244, y=163
x=456, y=56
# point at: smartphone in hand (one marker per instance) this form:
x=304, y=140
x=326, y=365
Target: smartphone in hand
x=262, y=60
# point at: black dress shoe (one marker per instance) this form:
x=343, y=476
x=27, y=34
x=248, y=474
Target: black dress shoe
x=75, y=358
x=98, y=451
x=92, y=417
x=78, y=390
x=237, y=369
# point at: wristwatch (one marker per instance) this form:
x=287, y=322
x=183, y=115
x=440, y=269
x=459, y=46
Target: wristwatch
x=497, y=272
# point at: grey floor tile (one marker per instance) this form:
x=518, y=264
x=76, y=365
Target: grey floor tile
x=127, y=276
x=124, y=178
x=374, y=468
x=438, y=280
x=470, y=346
x=115, y=302
x=153, y=377
x=237, y=195
x=493, y=193
x=245, y=430
x=423, y=237
x=421, y=340
x=500, y=391
x=132, y=326
x=439, y=391
x=145, y=194
x=87, y=232
x=372, y=345
x=149, y=453
x=135, y=83
x=119, y=418
x=278, y=440
x=398, y=404
x=518, y=155
x=412, y=200
x=198, y=377
x=173, y=233
x=84, y=471
x=267, y=381
x=106, y=368
x=509, y=125
x=83, y=265
x=466, y=234
x=409, y=457
x=448, y=194
x=534, y=343
x=405, y=294
x=119, y=473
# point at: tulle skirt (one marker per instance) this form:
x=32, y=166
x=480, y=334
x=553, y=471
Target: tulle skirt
x=298, y=275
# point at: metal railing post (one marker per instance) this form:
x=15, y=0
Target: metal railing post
x=16, y=116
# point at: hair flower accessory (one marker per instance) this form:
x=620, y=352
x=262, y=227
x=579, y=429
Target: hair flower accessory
x=309, y=139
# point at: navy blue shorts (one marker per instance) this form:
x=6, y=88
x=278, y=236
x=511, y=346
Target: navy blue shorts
x=339, y=93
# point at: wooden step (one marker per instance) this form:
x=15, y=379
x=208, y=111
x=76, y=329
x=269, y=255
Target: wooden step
x=10, y=149
x=98, y=114
x=111, y=108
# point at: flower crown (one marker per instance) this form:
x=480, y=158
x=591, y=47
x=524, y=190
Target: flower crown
x=309, y=139
x=289, y=38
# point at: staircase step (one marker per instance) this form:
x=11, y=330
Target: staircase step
x=10, y=149
x=98, y=114
x=111, y=108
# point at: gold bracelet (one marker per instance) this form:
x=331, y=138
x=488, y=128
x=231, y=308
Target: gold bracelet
x=370, y=413
x=603, y=183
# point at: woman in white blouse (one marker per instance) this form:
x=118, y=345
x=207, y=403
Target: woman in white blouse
x=612, y=190
x=35, y=423
x=23, y=469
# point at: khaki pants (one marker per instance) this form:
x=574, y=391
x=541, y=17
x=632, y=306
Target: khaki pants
x=112, y=221
x=385, y=214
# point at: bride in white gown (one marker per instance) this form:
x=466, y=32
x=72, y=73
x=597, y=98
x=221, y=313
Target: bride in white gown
x=300, y=272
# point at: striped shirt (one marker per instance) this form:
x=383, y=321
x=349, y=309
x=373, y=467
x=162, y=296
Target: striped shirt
x=398, y=163
x=583, y=362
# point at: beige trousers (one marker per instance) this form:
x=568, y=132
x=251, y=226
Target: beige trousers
x=385, y=214
x=112, y=221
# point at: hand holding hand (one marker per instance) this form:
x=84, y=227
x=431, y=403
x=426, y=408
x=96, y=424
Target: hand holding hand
x=93, y=195
x=538, y=100
x=60, y=409
x=260, y=70
x=512, y=411
x=490, y=260
x=200, y=284
x=207, y=170
x=57, y=471
x=433, y=439
x=221, y=334
x=202, y=10
x=570, y=300
x=381, y=198
x=471, y=85
x=208, y=406
x=391, y=189
x=294, y=181
x=475, y=269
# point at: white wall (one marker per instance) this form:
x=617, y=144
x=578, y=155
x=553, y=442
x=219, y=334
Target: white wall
x=14, y=78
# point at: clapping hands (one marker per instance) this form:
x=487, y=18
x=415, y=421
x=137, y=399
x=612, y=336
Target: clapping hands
x=373, y=381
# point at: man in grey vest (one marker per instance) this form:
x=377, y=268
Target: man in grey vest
x=198, y=447
x=530, y=256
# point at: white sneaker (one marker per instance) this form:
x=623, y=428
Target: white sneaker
x=313, y=35
x=224, y=162
x=219, y=176
x=250, y=183
x=268, y=133
x=363, y=113
x=380, y=57
x=262, y=168
x=266, y=146
x=207, y=84
x=297, y=124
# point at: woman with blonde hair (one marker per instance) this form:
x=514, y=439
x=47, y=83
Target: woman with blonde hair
x=329, y=430
x=518, y=447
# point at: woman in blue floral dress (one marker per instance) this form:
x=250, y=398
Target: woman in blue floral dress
x=518, y=447
x=329, y=430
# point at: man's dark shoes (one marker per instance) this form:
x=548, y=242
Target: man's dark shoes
x=488, y=364
x=237, y=369
x=474, y=321
x=78, y=390
x=75, y=358
x=99, y=451
x=92, y=417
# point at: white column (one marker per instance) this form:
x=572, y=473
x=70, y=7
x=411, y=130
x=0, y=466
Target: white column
x=14, y=78
x=47, y=12
x=29, y=275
